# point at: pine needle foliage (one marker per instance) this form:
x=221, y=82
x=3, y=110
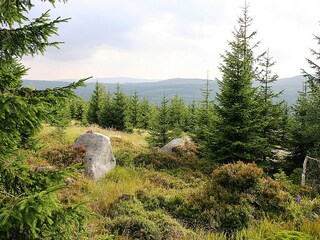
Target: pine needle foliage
x=234, y=133
x=160, y=129
x=305, y=127
x=29, y=206
x=273, y=112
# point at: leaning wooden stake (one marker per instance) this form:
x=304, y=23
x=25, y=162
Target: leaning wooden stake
x=303, y=175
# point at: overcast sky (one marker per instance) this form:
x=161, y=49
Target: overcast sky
x=161, y=39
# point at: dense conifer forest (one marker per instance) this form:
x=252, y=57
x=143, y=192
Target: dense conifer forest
x=249, y=168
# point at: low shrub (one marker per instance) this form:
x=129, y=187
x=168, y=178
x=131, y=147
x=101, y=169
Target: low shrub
x=65, y=155
x=130, y=218
x=136, y=227
x=169, y=228
x=177, y=206
x=237, y=194
x=164, y=180
x=238, y=177
x=271, y=198
x=188, y=165
x=158, y=160
x=230, y=218
x=125, y=205
x=189, y=150
x=124, y=158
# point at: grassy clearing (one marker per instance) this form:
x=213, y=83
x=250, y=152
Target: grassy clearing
x=150, y=196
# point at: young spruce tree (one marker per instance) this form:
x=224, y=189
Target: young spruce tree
x=160, y=129
x=95, y=104
x=204, y=114
x=234, y=134
x=29, y=206
x=120, y=101
x=273, y=117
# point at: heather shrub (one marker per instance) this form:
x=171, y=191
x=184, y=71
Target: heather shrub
x=136, y=227
x=130, y=218
x=238, y=177
x=121, y=143
x=158, y=160
x=65, y=155
x=237, y=194
x=165, y=180
x=177, y=206
x=189, y=150
x=271, y=198
x=169, y=228
x=124, y=158
x=184, y=167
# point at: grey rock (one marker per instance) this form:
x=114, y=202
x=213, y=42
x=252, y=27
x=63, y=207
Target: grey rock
x=99, y=159
x=169, y=147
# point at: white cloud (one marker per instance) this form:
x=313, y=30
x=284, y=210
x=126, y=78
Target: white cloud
x=171, y=38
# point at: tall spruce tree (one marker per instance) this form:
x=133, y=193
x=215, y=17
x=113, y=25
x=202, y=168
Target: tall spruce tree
x=313, y=79
x=306, y=118
x=29, y=206
x=235, y=135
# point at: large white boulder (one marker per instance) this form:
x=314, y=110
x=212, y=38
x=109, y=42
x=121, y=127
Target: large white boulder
x=99, y=158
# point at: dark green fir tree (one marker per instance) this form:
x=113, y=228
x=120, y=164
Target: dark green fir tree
x=144, y=114
x=306, y=119
x=204, y=114
x=177, y=113
x=234, y=135
x=95, y=104
x=29, y=206
x=160, y=130
x=105, y=114
x=273, y=112
x=132, y=112
x=120, y=101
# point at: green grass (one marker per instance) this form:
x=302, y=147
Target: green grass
x=158, y=194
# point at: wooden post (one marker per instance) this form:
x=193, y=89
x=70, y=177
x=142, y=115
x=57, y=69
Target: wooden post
x=304, y=170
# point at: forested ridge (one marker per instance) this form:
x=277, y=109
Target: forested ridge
x=239, y=175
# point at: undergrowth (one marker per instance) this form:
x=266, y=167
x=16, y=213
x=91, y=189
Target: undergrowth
x=151, y=195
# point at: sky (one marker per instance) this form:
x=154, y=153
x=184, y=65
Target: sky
x=162, y=39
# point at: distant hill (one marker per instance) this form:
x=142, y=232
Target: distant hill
x=188, y=89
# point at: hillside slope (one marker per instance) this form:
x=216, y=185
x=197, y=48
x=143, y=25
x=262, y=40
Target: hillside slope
x=187, y=89
x=151, y=196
